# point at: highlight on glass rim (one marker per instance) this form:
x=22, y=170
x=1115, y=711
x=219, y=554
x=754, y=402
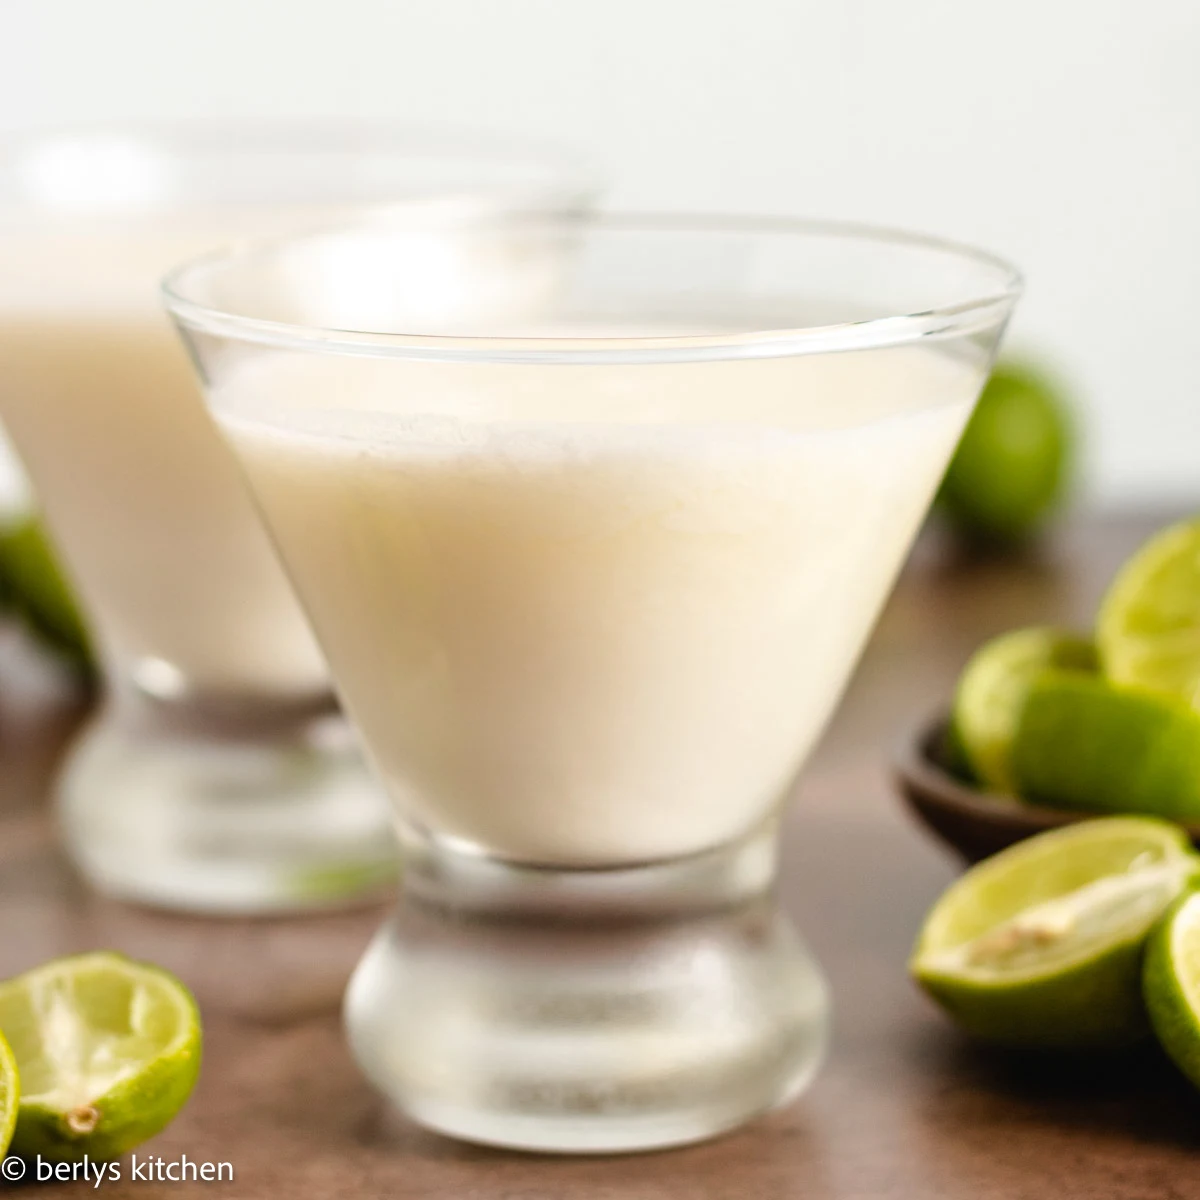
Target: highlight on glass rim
x=594, y=581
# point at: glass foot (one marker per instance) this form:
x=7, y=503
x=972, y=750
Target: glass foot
x=550, y=1016
x=223, y=826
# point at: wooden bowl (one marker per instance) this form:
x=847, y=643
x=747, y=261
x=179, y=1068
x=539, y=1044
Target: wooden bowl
x=974, y=822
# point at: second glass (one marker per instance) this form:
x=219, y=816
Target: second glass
x=218, y=775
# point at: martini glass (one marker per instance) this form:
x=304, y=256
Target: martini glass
x=218, y=774
x=591, y=565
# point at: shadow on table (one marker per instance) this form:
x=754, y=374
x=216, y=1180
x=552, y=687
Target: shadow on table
x=1130, y=1094
x=772, y=1158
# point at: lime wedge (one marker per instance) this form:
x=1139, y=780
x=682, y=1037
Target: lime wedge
x=37, y=590
x=1148, y=630
x=1171, y=984
x=1086, y=745
x=1041, y=945
x=108, y=1050
x=10, y=1094
x=992, y=690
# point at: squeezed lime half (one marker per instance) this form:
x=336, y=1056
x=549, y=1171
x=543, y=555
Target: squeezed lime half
x=1041, y=946
x=108, y=1051
x=10, y=1094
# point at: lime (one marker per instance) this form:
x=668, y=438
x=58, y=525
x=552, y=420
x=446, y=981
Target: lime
x=1041, y=945
x=1085, y=744
x=10, y=1094
x=1011, y=465
x=1148, y=630
x=1171, y=984
x=108, y=1051
x=36, y=588
x=992, y=690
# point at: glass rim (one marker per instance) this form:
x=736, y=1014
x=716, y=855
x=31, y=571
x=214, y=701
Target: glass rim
x=563, y=173
x=977, y=311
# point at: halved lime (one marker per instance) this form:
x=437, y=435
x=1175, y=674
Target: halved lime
x=1087, y=745
x=10, y=1094
x=992, y=690
x=108, y=1050
x=1041, y=945
x=1148, y=630
x=1171, y=984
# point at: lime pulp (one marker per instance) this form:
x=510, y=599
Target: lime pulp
x=1148, y=629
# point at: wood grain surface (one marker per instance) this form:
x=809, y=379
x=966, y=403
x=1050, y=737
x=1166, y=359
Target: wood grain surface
x=904, y=1107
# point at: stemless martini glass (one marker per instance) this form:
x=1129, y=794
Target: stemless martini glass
x=591, y=569
x=217, y=775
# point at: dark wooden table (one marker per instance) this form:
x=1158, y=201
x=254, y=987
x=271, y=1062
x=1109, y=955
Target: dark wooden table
x=903, y=1108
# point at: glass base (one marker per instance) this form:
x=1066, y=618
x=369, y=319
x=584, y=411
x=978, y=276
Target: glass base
x=596, y=1011
x=287, y=822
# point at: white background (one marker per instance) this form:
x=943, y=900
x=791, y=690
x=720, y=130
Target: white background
x=1062, y=133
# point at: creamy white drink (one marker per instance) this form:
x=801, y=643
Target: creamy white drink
x=141, y=492
x=217, y=774
x=594, y=615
